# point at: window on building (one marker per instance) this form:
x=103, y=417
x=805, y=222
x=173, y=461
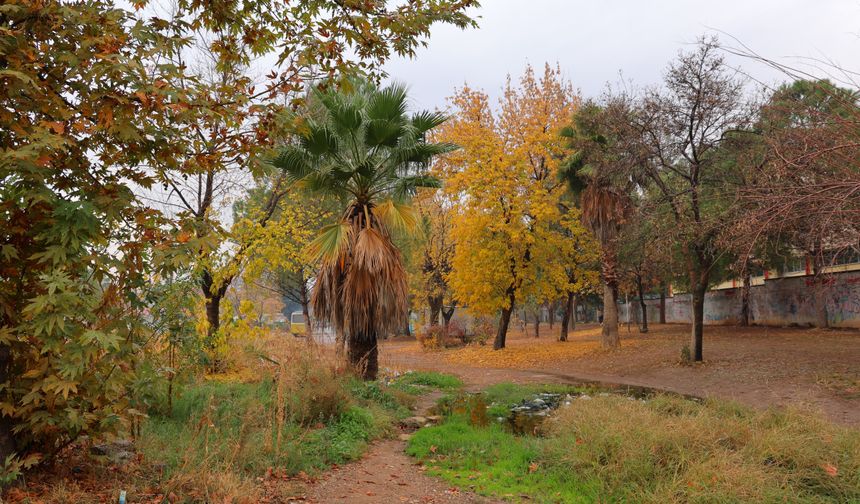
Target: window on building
x=840, y=257
x=795, y=265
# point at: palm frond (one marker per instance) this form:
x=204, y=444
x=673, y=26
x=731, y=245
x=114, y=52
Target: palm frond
x=387, y=104
x=375, y=292
x=319, y=140
x=294, y=161
x=385, y=132
x=405, y=187
x=345, y=115
x=331, y=244
x=398, y=216
x=425, y=120
x=423, y=152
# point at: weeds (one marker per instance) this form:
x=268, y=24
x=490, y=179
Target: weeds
x=665, y=449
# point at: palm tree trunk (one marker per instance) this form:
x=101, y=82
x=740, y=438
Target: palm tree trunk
x=609, y=335
x=363, y=355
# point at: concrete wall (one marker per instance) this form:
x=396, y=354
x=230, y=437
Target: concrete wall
x=779, y=302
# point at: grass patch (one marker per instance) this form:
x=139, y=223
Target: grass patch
x=235, y=426
x=666, y=449
x=490, y=461
x=421, y=382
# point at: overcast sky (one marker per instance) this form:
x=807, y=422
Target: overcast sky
x=594, y=40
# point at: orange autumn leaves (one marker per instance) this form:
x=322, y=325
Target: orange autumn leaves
x=528, y=353
x=512, y=230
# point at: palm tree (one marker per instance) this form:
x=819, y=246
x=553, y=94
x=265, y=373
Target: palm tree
x=604, y=205
x=361, y=146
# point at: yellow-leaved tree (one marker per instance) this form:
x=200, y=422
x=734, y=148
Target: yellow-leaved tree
x=431, y=255
x=277, y=253
x=512, y=230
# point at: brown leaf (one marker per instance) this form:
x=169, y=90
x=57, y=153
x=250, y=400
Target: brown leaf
x=56, y=127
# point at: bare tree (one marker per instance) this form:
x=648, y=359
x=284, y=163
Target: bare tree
x=678, y=127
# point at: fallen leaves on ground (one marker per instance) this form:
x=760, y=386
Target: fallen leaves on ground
x=525, y=353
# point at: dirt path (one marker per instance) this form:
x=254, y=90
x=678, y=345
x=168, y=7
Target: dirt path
x=387, y=475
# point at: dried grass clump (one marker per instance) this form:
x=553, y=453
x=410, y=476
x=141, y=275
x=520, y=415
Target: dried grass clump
x=673, y=450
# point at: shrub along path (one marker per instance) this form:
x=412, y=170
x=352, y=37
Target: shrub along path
x=756, y=366
x=387, y=475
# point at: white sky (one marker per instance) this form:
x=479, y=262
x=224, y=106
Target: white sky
x=594, y=40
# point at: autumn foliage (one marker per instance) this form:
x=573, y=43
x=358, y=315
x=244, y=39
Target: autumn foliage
x=511, y=225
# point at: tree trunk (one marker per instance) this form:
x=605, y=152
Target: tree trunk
x=609, y=335
x=363, y=355
x=213, y=317
x=699, y=289
x=447, y=314
x=745, y=296
x=662, y=303
x=573, y=312
x=537, y=323
x=641, y=291
x=7, y=437
x=821, y=317
x=819, y=289
x=213, y=299
x=504, y=321
x=435, y=303
x=551, y=313
x=565, y=317
x=306, y=311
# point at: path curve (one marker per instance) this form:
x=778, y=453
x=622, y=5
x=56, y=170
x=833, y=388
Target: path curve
x=387, y=475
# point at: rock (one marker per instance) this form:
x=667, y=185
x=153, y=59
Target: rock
x=435, y=419
x=119, y=452
x=405, y=437
x=527, y=416
x=585, y=397
x=100, y=450
x=415, y=422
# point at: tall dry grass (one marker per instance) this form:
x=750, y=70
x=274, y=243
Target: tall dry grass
x=673, y=450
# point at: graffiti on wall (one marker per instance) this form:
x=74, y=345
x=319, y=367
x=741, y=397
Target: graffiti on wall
x=780, y=301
